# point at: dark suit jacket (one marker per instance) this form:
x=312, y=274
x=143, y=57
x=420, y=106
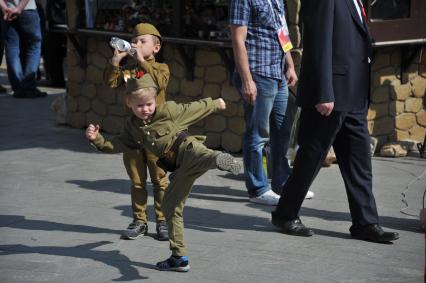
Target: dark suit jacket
x=336, y=48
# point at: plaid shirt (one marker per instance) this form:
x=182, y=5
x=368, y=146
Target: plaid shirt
x=265, y=54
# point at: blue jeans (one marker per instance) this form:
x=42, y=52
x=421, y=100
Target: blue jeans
x=265, y=122
x=22, y=41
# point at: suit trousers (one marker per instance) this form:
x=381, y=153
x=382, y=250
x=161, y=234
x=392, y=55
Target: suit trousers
x=193, y=160
x=136, y=163
x=348, y=133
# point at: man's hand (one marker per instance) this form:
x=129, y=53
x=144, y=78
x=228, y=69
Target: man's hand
x=92, y=132
x=222, y=104
x=117, y=57
x=325, y=109
x=291, y=76
x=249, y=91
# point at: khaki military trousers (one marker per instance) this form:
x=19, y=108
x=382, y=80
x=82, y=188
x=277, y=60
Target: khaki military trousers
x=193, y=160
x=136, y=163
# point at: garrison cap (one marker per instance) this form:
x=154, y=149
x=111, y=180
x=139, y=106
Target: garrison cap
x=144, y=81
x=145, y=28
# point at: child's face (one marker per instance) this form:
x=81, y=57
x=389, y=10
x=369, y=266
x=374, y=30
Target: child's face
x=146, y=44
x=143, y=107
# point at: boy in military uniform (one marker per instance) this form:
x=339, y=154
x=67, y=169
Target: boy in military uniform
x=163, y=131
x=147, y=43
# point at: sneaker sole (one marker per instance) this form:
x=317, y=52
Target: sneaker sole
x=178, y=269
x=126, y=237
x=254, y=200
x=227, y=162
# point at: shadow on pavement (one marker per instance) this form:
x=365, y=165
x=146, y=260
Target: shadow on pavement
x=113, y=258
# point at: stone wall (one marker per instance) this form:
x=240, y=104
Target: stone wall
x=90, y=101
x=397, y=111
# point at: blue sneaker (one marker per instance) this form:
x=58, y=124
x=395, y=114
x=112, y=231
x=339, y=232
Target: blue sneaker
x=180, y=264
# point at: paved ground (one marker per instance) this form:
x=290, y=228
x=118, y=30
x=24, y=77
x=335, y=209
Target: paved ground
x=63, y=207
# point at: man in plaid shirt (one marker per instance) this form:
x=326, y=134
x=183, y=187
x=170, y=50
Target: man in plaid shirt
x=263, y=73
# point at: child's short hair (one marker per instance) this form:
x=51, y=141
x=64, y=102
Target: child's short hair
x=143, y=92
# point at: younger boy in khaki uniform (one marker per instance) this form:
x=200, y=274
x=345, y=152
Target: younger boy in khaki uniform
x=163, y=131
x=147, y=42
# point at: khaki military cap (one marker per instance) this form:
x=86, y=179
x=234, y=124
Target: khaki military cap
x=145, y=28
x=136, y=83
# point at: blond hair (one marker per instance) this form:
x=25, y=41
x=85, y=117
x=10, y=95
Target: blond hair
x=143, y=92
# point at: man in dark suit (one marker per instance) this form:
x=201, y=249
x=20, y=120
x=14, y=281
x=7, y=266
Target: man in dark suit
x=333, y=93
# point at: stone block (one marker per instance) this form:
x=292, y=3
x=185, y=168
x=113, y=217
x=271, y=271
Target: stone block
x=76, y=119
x=378, y=111
x=382, y=126
x=99, y=107
x=94, y=75
x=73, y=89
x=113, y=124
x=177, y=70
x=413, y=104
x=213, y=140
x=419, y=86
x=401, y=135
x=384, y=76
x=421, y=118
x=215, y=74
x=417, y=133
x=93, y=118
x=106, y=94
x=72, y=59
x=231, y=142
x=231, y=109
x=236, y=125
x=83, y=104
x=71, y=103
x=396, y=107
x=380, y=94
x=393, y=150
x=199, y=72
x=193, y=88
x=215, y=123
x=174, y=85
x=400, y=91
x=207, y=58
x=211, y=90
x=105, y=50
x=405, y=121
x=230, y=93
x=76, y=75
x=88, y=90
x=117, y=110
x=98, y=60
x=196, y=131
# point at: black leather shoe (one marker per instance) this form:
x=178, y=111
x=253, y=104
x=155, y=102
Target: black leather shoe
x=291, y=227
x=373, y=233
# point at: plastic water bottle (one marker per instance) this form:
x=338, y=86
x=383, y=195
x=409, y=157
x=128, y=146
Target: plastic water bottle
x=122, y=45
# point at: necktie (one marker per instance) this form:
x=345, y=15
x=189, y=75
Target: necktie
x=364, y=14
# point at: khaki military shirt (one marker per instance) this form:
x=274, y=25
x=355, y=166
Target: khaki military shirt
x=114, y=76
x=158, y=133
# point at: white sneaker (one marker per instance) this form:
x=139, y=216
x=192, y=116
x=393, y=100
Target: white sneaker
x=310, y=195
x=267, y=198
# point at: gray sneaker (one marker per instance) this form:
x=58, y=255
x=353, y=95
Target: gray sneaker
x=136, y=229
x=227, y=162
